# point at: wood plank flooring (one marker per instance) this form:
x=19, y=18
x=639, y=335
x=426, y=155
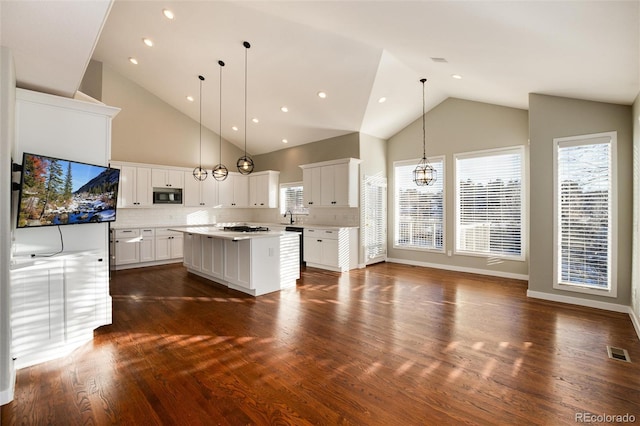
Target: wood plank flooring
x=387, y=345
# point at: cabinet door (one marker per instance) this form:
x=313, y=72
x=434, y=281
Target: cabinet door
x=209, y=192
x=237, y=264
x=311, y=180
x=192, y=189
x=163, y=247
x=225, y=191
x=127, y=187
x=341, y=185
x=127, y=246
x=80, y=295
x=175, y=179
x=241, y=191
x=312, y=249
x=329, y=253
x=177, y=246
x=212, y=256
x=159, y=178
x=147, y=245
x=37, y=308
x=192, y=251
x=143, y=195
x=328, y=182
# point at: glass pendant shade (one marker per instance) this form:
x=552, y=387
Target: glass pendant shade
x=200, y=174
x=424, y=174
x=245, y=165
x=220, y=172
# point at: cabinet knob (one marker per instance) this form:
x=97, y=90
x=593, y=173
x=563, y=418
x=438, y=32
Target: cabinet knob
x=100, y=260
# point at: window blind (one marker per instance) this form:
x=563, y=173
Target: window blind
x=419, y=210
x=583, y=213
x=375, y=217
x=489, y=205
x=291, y=199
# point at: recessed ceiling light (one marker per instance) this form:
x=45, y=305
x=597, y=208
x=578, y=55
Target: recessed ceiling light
x=190, y=98
x=456, y=76
x=133, y=60
x=234, y=128
x=168, y=14
x=284, y=109
x=322, y=94
x=255, y=120
x=382, y=100
x=148, y=42
x=285, y=141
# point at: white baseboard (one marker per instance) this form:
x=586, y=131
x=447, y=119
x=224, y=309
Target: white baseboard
x=461, y=269
x=635, y=320
x=6, y=395
x=578, y=301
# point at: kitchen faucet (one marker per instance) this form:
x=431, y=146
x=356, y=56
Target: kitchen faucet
x=290, y=216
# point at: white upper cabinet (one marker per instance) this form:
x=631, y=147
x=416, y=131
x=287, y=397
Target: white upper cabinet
x=331, y=183
x=263, y=189
x=167, y=178
x=135, y=186
x=234, y=191
x=200, y=193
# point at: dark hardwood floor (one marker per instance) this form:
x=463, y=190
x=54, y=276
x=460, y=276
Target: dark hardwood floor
x=386, y=345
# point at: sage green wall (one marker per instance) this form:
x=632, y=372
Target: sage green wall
x=148, y=130
x=91, y=83
x=373, y=153
x=635, y=282
x=456, y=126
x=553, y=117
x=287, y=160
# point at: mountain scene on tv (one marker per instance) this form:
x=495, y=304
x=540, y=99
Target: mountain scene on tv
x=60, y=192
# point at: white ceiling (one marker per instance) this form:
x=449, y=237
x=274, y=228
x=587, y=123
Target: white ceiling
x=356, y=51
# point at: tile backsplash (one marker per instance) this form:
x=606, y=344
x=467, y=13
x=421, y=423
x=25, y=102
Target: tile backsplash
x=176, y=216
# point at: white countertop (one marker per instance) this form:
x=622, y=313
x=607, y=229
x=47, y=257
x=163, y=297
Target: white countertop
x=214, y=231
x=218, y=226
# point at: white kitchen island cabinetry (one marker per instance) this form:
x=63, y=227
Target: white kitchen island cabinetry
x=335, y=249
x=254, y=263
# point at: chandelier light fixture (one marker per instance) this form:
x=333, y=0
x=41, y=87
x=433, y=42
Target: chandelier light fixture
x=245, y=163
x=220, y=172
x=424, y=174
x=199, y=173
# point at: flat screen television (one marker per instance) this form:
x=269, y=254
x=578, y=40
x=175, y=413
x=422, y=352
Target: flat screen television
x=54, y=192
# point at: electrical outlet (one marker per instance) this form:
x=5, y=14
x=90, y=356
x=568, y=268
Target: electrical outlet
x=449, y=253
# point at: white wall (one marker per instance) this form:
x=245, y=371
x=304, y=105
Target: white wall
x=7, y=107
x=635, y=278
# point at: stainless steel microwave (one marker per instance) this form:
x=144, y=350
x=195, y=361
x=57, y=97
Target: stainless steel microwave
x=167, y=196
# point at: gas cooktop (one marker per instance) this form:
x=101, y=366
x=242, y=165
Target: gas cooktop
x=245, y=228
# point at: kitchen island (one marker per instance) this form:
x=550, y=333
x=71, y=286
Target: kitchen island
x=255, y=263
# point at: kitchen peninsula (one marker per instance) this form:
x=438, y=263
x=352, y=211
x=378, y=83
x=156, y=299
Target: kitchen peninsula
x=255, y=263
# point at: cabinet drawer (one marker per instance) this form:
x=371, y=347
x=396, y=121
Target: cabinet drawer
x=147, y=232
x=326, y=234
x=127, y=233
x=164, y=232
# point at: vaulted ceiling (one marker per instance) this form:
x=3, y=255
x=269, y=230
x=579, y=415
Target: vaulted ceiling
x=356, y=51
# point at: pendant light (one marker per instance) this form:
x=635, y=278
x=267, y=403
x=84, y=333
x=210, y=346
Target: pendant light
x=424, y=173
x=245, y=163
x=220, y=172
x=199, y=173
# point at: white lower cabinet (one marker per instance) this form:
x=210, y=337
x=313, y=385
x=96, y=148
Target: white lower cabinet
x=212, y=256
x=127, y=246
x=192, y=258
x=56, y=304
x=334, y=249
x=237, y=262
x=169, y=244
x=147, y=245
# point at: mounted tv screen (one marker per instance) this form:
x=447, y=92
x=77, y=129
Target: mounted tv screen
x=62, y=192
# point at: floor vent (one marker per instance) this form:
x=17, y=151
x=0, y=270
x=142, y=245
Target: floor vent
x=618, y=353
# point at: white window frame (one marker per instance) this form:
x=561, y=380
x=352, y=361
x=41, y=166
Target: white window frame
x=596, y=138
x=441, y=176
x=281, y=201
x=523, y=202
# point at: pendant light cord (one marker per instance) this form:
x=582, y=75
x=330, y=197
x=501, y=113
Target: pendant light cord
x=201, y=80
x=246, y=45
x=424, y=132
x=220, y=110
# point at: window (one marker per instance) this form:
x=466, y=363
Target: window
x=291, y=198
x=374, y=218
x=489, y=203
x=584, y=211
x=419, y=210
